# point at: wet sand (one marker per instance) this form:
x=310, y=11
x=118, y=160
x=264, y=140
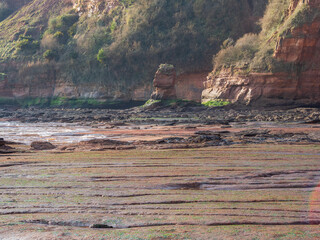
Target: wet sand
x=65, y=133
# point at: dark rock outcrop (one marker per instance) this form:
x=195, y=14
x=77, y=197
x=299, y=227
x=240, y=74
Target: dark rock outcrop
x=4, y=148
x=42, y=146
x=2, y=142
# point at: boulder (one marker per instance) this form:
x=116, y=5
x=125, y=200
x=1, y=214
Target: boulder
x=4, y=149
x=2, y=142
x=42, y=146
x=103, y=142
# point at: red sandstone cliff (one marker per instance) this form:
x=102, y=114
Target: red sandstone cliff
x=301, y=47
x=35, y=77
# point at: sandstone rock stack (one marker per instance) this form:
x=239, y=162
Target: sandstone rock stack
x=164, y=83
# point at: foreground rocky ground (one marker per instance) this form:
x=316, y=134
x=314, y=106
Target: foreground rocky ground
x=189, y=173
x=233, y=192
x=174, y=125
x=168, y=114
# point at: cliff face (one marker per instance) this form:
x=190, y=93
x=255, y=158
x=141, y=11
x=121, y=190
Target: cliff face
x=298, y=48
x=190, y=86
x=112, y=48
x=46, y=81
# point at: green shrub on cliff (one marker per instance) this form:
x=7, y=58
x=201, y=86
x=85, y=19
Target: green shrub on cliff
x=303, y=14
x=2, y=76
x=59, y=36
x=60, y=29
x=274, y=16
x=51, y=55
x=101, y=57
x=23, y=44
x=62, y=23
x=238, y=55
x=128, y=3
x=27, y=44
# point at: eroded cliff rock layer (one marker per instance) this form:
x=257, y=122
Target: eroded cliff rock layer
x=190, y=86
x=299, y=48
x=49, y=80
